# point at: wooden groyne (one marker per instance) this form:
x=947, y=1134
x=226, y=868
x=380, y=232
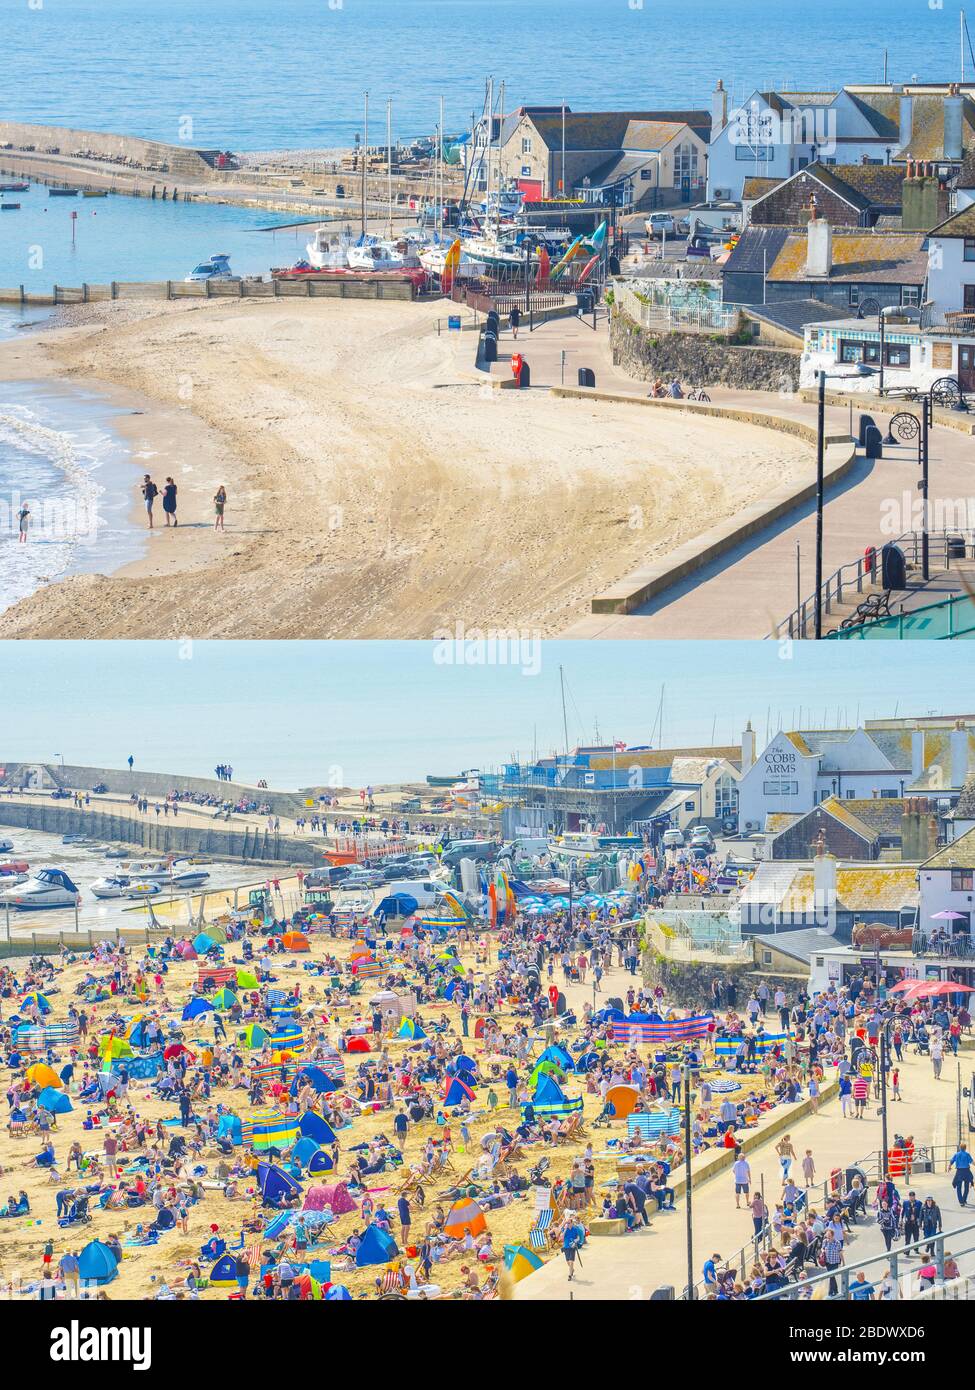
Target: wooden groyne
x=336, y=287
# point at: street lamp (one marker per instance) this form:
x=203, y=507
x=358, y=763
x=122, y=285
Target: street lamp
x=687, y=1179
x=861, y=370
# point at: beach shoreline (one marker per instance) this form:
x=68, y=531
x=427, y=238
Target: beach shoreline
x=375, y=489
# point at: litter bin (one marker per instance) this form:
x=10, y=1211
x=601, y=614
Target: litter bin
x=584, y=302
x=892, y=567
x=587, y=377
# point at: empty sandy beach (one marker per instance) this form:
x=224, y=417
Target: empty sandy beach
x=375, y=489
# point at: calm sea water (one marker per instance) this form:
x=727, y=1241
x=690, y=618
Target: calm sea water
x=252, y=75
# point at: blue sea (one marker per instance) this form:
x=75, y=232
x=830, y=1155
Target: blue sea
x=253, y=75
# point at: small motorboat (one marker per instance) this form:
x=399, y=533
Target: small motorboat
x=15, y=872
x=94, y=193
x=14, y=187
x=187, y=878
x=111, y=886
x=48, y=888
x=142, y=890
x=9, y=207
x=62, y=192
x=117, y=853
x=216, y=268
x=6, y=846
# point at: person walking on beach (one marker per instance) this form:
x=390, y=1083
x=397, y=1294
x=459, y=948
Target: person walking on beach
x=514, y=321
x=169, y=502
x=219, y=502
x=23, y=521
x=149, y=492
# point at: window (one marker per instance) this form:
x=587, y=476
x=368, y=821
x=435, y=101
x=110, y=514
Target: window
x=911, y=295
x=969, y=252
x=526, y=145
x=780, y=788
x=969, y=296
x=854, y=294
x=851, y=793
x=890, y=794
x=961, y=880
x=766, y=957
x=852, y=350
x=725, y=796
x=897, y=355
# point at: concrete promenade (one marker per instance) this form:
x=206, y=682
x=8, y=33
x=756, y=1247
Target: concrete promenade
x=630, y=1267
x=745, y=592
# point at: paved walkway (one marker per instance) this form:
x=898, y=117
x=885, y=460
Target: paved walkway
x=746, y=592
x=632, y=1266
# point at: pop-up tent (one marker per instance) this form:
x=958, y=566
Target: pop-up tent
x=196, y=1007
x=229, y=1127
x=295, y=941
x=275, y=1183
x=54, y=1101
x=40, y=1074
x=457, y=1092
x=97, y=1264
x=224, y=1272
x=202, y=943
x=411, y=1028
x=549, y=1099
x=623, y=1098
x=375, y=1248
x=519, y=1261
x=313, y=1076
x=336, y=1196
x=313, y=1158
x=254, y=1036
x=225, y=999
x=464, y=1216
x=313, y=1126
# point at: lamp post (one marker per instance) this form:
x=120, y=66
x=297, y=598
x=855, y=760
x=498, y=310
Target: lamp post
x=926, y=409
x=687, y=1180
x=861, y=370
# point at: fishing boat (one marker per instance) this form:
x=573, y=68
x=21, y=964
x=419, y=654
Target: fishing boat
x=216, y=268
x=94, y=193
x=62, y=192
x=6, y=846
x=14, y=187
x=9, y=207
x=325, y=252
x=48, y=888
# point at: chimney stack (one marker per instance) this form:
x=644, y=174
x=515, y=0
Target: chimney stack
x=747, y=748
x=719, y=109
x=824, y=887
x=819, y=245
x=959, y=754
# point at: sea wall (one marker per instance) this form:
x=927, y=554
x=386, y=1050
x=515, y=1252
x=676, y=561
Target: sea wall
x=153, y=155
x=39, y=776
x=221, y=841
x=698, y=359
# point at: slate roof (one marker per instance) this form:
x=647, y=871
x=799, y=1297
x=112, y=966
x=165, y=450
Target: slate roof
x=801, y=945
x=960, y=224
x=965, y=805
x=858, y=256
x=882, y=110
x=756, y=187
x=747, y=257
x=960, y=854
x=606, y=130
x=792, y=315
x=928, y=128
x=663, y=757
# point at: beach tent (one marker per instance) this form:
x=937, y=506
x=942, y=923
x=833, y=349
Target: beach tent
x=357, y=1045
x=623, y=1099
x=136, y=1032
x=559, y=1055
x=196, y=1007
x=457, y=1092
x=217, y=933
x=246, y=979
x=464, y=1216
x=313, y=1126
x=549, y=1099
x=41, y=1001
x=546, y=1069
x=254, y=1036
x=275, y=1183
x=225, y=999
x=586, y=1061
x=55, y=1101
x=411, y=1028
x=397, y=905
x=185, y=951
x=229, y=1127
x=111, y=1045
x=320, y=1162
x=337, y=1293
x=178, y=1050
x=96, y=1264
x=295, y=941
x=519, y=1261
x=335, y=1196
x=40, y=1074
x=202, y=943
x=376, y=1248
x=313, y=1076
x=224, y=1273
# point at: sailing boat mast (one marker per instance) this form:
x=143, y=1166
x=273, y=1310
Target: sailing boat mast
x=490, y=144
x=497, y=213
x=389, y=161
x=440, y=171
x=365, y=147
x=565, y=721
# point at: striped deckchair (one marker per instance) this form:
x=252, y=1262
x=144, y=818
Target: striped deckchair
x=538, y=1235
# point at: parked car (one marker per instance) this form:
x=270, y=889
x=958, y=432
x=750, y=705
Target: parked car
x=659, y=224
x=701, y=837
x=363, y=878
x=673, y=838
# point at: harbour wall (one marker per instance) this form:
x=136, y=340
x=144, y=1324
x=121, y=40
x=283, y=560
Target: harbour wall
x=128, y=151
x=248, y=845
x=699, y=359
x=41, y=776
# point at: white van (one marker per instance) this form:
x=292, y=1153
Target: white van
x=528, y=847
x=424, y=890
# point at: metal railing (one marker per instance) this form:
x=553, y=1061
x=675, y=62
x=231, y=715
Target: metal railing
x=853, y=576
x=890, y=1259
x=901, y=623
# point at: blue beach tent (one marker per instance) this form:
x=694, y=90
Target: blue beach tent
x=376, y=1248
x=54, y=1101
x=275, y=1183
x=196, y=1007
x=97, y=1264
x=312, y=1126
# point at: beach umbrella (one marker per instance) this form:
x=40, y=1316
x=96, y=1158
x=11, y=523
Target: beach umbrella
x=947, y=916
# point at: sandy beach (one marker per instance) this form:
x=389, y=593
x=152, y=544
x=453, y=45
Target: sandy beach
x=375, y=489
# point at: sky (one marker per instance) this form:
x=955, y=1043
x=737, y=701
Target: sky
x=350, y=713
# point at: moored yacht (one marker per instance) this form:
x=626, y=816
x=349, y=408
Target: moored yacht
x=47, y=888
